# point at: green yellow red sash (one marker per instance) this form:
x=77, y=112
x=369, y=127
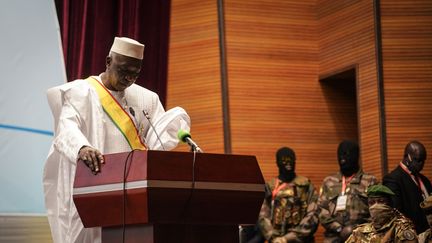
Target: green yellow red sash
x=119, y=116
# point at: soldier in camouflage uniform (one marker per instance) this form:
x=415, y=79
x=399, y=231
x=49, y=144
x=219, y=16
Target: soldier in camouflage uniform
x=343, y=201
x=426, y=205
x=289, y=211
x=387, y=224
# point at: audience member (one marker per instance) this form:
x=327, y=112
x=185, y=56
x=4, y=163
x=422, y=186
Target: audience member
x=342, y=198
x=387, y=224
x=289, y=211
x=410, y=186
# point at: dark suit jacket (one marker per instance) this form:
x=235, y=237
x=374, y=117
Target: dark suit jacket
x=408, y=196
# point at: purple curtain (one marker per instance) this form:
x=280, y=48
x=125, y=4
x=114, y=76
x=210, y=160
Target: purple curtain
x=88, y=28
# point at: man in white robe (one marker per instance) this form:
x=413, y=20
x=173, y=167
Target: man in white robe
x=85, y=131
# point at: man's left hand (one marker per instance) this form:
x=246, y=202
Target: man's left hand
x=92, y=158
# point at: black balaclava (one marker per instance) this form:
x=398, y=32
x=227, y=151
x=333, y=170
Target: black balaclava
x=285, y=160
x=414, y=156
x=348, y=154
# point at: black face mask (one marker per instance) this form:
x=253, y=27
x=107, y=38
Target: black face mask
x=285, y=160
x=348, y=153
x=415, y=156
x=415, y=165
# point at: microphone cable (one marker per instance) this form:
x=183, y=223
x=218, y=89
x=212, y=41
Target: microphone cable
x=186, y=205
x=125, y=170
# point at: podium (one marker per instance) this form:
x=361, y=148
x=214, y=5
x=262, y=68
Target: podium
x=157, y=196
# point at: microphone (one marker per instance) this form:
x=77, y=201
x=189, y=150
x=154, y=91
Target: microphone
x=132, y=112
x=185, y=137
x=154, y=129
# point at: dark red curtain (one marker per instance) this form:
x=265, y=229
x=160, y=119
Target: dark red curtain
x=88, y=28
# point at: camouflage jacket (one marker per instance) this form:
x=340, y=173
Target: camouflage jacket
x=292, y=208
x=357, y=209
x=399, y=229
x=425, y=237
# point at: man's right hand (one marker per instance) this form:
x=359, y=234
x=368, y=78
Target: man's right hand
x=92, y=158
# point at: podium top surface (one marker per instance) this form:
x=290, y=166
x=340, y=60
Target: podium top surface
x=160, y=168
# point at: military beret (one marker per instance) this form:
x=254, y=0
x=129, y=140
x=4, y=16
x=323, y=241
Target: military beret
x=379, y=190
x=427, y=203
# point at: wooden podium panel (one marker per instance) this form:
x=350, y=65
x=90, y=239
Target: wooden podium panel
x=172, y=233
x=169, y=190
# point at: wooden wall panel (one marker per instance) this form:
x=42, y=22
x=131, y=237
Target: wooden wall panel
x=194, y=70
x=275, y=96
x=407, y=69
x=347, y=37
x=276, y=50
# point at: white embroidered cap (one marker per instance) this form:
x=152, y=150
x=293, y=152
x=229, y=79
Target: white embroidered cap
x=128, y=47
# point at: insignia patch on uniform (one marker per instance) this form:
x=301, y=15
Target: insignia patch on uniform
x=408, y=235
x=290, y=192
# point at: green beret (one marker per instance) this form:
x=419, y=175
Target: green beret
x=379, y=190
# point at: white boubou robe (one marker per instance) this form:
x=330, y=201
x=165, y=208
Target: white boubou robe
x=80, y=120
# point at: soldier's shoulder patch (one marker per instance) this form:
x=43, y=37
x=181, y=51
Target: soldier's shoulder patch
x=365, y=228
x=408, y=235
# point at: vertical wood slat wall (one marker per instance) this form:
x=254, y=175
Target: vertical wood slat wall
x=276, y=50
x=274, y=61
x=194, y=70
x=347, y=37
x=407, y=69
x=275, y=97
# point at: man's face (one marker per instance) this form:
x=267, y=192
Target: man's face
x=348, y=155
x=123, y=71
x=415, y=157
x=379, y=200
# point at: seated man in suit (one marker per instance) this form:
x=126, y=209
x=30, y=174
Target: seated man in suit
x=410, y=186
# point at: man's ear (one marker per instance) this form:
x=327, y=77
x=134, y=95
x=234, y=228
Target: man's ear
x=108, y=61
